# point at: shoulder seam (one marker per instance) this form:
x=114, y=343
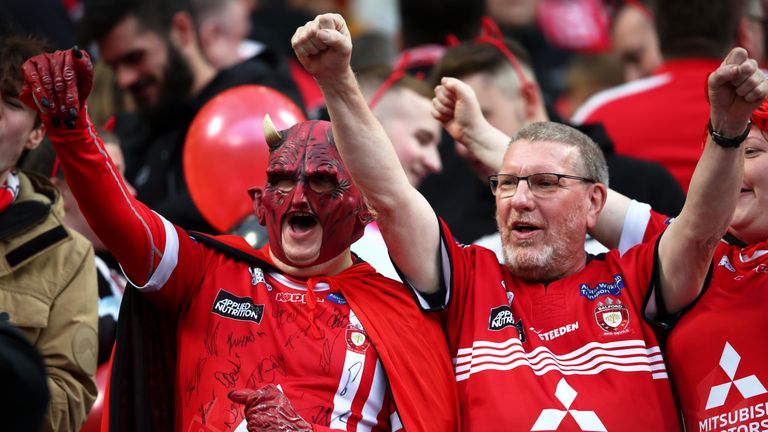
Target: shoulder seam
x=604, y=97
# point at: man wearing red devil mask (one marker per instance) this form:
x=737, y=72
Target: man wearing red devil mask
x=300, y=331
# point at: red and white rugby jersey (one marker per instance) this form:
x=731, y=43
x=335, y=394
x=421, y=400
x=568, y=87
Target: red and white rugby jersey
x=573, y=355
x=717, y=353
x=243, y=328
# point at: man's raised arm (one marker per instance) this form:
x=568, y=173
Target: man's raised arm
x=735, y=89
x=406, y=220
x=57, y=85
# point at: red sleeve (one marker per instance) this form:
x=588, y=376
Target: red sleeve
x=641, y=224
x=147, y=246
x=656, y=224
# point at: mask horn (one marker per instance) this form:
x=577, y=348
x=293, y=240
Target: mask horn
x=271, y=134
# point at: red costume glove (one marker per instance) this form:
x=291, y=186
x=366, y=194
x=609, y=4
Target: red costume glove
x=268, y=409
x=57, y=85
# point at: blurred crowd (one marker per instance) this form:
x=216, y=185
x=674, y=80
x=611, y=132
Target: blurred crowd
x=629, y=74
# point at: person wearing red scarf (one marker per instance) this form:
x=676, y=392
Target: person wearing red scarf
x=48, y=287
x=301, y=332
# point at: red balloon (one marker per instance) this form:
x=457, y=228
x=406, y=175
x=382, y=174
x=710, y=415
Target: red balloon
x=225, y=152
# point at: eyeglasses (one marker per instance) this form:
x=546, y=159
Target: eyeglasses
x=540, y=184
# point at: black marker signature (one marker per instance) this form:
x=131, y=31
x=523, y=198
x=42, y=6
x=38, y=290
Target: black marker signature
x=209, y=340
x=239, y=341
x=192, y=383
x=229, y=378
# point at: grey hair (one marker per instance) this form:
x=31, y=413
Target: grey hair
x=592, y=157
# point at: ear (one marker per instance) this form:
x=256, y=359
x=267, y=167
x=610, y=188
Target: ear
x=35, y=137
x=258, y=204
x=183, y=32
x=598, y=194
x=208, y=32
x=534, y=105
x=366, y=215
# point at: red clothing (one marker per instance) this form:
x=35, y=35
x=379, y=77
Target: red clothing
x=661, y=118
x=717, y=351
x=336, y=352
x=573, y=355
x=726, y=333
x=241, y=327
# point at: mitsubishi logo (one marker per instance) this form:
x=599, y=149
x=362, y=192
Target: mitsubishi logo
x=747, y=386
x=550, y=419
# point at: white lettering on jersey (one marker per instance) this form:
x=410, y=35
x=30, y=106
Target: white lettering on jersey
x=748, y=386
x=549, y=419
x=750, y=418
x=556, y=333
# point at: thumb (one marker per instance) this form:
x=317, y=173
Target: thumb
x=736, y=56
x=459, y=88
x=241, y=396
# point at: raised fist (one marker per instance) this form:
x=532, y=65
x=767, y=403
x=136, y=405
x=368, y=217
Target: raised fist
x=735, y=89
x=324, y=47
x=57, y=85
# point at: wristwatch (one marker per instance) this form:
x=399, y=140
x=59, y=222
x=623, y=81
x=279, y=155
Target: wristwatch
x=725, y=141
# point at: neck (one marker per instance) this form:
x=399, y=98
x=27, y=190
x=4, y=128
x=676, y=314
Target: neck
x=4, y=176
x=331, y=267
x=203, y=75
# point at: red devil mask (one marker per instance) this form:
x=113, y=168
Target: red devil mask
x=308, y=188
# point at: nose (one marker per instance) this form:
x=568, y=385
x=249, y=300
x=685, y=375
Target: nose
x=432, y=161
x=299, y=198
x=522, y=198
x=125, y=76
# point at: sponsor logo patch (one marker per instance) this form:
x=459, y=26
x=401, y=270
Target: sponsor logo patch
x=612, y=316
x=336, y=298
x=357, y=339
x=556, y=333
x=231, y=306
x=602, y=288
x=501, y=317
x=294, y=298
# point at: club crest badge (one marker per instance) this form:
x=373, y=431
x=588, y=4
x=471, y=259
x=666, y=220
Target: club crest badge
x=257, y=277
x=725, y=262
x=357, y=339
x=612, y=316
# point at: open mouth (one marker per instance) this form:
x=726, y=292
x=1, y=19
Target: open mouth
x=302, y=221
x=524, y=228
